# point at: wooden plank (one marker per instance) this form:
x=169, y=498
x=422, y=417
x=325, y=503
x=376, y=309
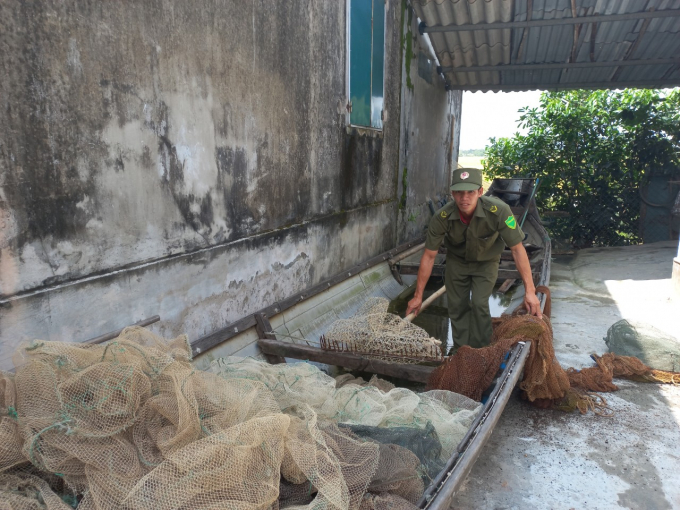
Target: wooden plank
x=264, y=330
x=231, y=330
x=507, y=284
x=511, y=274
x=416, y=373
x=438, y=270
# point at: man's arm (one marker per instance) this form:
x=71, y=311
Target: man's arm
x=424, y=272
x=531, y=302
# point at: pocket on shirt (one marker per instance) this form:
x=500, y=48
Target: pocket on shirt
x=484, y=244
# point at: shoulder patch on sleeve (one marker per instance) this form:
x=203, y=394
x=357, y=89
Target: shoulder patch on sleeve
x=510, y=222
x=492, y=204
x=443, y=214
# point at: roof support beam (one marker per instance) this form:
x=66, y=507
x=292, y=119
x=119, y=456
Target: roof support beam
x=572, y=65
x=606, y=18
x=634, y=47
x=612, y=85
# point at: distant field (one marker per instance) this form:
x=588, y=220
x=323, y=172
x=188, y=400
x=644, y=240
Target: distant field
x=473, y=162
x=470, y=161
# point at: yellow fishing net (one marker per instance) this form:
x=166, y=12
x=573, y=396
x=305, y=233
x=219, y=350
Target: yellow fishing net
x=131, y=424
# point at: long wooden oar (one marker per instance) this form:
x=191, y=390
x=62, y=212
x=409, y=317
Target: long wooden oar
x=426, y=303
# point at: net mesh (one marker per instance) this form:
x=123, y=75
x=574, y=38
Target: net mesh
x=652, y=346
x=294, y=385
x=471, y=371
x=375, y=332
x=131, y=424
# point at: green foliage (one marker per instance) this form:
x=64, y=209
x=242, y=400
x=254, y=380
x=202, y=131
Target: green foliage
x=592, y=151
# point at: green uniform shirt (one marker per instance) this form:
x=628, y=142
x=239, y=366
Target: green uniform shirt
x=492, y=226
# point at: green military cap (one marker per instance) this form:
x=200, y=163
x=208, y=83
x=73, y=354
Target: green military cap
x=466, y=179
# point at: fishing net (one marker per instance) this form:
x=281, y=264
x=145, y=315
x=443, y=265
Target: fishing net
x=652, y=346
x=131, y=424
x=471, y=371
x=376, y=333
x=24, y=490
x=298, y=384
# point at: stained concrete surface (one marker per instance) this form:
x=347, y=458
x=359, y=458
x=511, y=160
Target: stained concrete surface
x=541, y=459
x=194, y=160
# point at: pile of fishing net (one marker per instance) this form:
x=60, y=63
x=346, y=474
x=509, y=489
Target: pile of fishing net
x=374, y=332
x=131, y=424
x=471, y=371
x=355, y=402
x=652, y=346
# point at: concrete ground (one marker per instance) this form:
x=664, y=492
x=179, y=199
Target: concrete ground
x=540, y=459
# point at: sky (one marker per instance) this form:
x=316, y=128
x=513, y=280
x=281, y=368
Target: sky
x=489, y=114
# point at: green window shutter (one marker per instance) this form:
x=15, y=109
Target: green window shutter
x=378, y=63
x=366, y=54
x=360, y=61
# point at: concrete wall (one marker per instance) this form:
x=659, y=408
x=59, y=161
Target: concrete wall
x=430, y=133
x=675, y=276
x=192, y=160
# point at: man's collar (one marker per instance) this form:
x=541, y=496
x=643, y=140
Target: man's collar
x=479, y=210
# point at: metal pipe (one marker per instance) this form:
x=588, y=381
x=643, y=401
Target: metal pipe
x=604, y=18
x=608, y=84
x=573, y=65
x=110, y=336
x=531, y=196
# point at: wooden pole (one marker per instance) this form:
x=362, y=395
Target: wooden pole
x=426, y=303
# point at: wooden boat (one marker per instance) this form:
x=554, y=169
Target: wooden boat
x=292, y=328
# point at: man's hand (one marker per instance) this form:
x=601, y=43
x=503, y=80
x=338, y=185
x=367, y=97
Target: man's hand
x=424, y=272
x=414, y=305
x=532, y=304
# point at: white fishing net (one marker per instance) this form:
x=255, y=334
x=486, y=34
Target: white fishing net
x=297, y=384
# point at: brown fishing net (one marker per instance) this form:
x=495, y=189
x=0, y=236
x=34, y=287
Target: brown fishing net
x=131, y=424
x=471, y=371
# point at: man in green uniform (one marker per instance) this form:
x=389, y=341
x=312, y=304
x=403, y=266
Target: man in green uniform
x=475, y=229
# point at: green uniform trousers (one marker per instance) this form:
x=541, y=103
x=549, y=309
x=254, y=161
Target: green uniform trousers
x=468, y=287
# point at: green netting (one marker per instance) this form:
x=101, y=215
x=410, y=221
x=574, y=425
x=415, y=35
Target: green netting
x=652, y=346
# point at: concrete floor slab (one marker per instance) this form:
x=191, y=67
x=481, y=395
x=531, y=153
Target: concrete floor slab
x=545, y=459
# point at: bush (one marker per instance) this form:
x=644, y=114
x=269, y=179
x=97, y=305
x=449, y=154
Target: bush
x=592, y=151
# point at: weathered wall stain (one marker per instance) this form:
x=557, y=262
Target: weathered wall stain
x=201, y=147
x=134, y=97
x=429, y=136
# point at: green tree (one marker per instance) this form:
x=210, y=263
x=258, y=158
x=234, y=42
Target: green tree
x=592, y=151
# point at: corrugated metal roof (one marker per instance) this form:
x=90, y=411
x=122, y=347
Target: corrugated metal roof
x=586, y=48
